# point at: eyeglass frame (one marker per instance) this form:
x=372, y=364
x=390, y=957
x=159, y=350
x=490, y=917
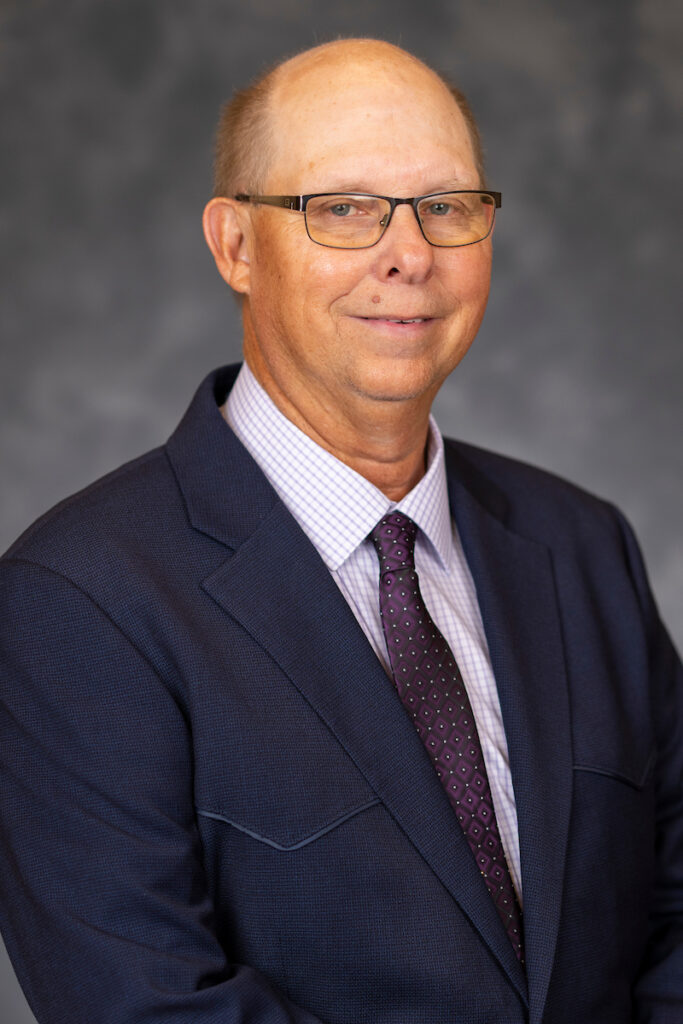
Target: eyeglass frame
x=299, y=204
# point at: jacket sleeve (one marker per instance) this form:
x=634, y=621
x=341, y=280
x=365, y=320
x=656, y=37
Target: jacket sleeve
x=658, y=993
x=103, y=899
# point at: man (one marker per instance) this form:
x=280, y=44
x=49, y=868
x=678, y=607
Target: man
x=308, y=717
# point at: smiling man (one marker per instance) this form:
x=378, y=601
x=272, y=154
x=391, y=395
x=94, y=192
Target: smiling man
x=310, y=715
x=353, y=340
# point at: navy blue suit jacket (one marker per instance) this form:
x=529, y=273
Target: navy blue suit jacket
x=215, y=809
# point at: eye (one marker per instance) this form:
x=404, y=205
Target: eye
x=340, y=209
x=347, y=207
x=343, y=207
x=446, y=208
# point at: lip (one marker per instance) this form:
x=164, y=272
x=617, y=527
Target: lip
x=414, y=322
x=393, y=327
x=397, y=317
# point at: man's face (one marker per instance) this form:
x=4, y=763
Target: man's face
x=320, y=323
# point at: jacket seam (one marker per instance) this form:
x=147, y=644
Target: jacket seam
x=287, y=847
x=620, y=776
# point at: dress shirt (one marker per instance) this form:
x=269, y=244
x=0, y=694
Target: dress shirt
x=337, y=508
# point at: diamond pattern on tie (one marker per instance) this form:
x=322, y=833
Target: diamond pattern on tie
x=431, y=688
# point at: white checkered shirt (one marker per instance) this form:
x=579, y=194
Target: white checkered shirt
x=337, y=508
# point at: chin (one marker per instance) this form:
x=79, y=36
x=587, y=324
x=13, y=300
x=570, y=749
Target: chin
x=404, y=386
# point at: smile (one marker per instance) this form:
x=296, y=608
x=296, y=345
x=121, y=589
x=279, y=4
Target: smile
x=397, y=320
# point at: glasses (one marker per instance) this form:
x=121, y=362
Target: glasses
x=350, y=220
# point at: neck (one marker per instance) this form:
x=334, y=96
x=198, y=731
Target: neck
x=386, y=442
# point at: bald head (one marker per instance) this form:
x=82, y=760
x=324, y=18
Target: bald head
x=344, y=57
x=257, y=120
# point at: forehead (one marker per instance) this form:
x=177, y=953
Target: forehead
x=375, y=125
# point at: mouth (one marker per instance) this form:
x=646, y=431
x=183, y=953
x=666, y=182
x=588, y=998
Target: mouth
x=397, y=320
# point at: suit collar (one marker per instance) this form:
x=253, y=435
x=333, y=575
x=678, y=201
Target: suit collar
x=226, y=498
x=225, y=495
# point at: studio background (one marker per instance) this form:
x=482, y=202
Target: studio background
x=112, y=310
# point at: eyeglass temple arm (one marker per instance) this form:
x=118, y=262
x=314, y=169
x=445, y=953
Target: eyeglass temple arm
x=289, y=202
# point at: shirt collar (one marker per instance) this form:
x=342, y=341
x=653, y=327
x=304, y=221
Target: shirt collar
x=334, y=505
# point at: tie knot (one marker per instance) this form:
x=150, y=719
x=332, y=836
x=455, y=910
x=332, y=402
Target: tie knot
x=394, y=539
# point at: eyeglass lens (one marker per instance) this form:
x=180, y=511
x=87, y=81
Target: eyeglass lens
x=356, y=221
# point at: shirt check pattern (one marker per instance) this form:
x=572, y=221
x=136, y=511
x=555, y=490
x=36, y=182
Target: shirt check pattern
x=338, y=508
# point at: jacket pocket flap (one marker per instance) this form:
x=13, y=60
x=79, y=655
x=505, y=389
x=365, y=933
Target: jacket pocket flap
x=634, y=777
x=297, y=844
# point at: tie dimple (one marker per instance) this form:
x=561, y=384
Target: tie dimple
x=432, y=690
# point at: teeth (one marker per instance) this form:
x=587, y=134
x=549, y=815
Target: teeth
x=417, y=320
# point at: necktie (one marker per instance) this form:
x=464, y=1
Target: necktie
x=431, y=688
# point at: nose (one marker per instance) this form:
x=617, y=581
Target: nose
x=403, y=252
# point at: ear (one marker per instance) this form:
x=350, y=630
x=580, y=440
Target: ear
x=227, y=229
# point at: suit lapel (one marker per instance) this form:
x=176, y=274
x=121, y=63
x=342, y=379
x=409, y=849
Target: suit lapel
x=518, y=601
x=307, y=627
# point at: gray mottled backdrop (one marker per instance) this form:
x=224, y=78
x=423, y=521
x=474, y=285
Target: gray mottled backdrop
x=112, y=310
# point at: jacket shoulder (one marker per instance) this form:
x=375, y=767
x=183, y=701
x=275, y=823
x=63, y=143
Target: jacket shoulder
x=536, y=502
x=91, y=524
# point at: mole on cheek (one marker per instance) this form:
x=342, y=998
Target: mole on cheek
x=376, y=298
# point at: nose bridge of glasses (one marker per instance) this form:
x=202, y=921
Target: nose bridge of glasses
x=386, y=219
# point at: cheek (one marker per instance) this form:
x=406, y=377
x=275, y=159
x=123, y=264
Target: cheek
x=481, y=268
x=327, y=274
x=469, y=272
x=320, y=283
x=299, y=279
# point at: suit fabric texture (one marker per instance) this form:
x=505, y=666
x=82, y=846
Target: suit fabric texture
x=215, y=808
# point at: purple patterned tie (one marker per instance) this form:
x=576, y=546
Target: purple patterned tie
x=430, y=685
